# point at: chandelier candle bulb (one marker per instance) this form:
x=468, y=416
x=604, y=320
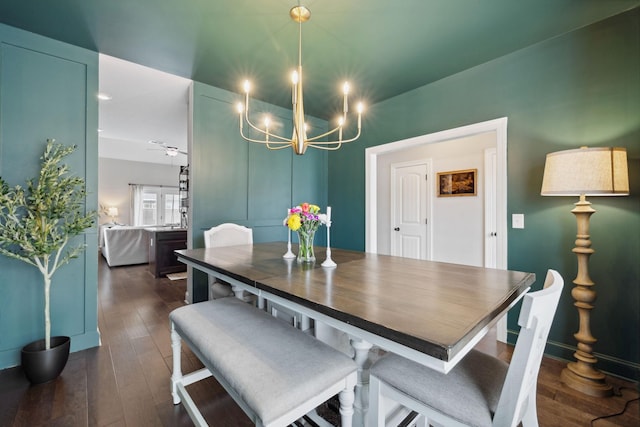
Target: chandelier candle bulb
x=247, y=86
x=266, y=128
x=345, y=90
x=240, y=109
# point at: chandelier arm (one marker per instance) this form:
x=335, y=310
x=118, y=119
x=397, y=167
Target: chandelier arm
x=282, y=139
x=262, y=131
x=246, y=119
x=267, y=143
x=344, y=141
x=280, y=147
x=332, y=131
x=260, y=141
x=324, y=147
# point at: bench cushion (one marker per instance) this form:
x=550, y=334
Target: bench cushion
x=272, y=366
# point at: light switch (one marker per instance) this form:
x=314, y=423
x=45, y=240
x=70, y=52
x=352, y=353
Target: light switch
x=517, y=221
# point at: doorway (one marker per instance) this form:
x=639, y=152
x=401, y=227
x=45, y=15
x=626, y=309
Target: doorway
x=139, y=105
x=374, y=156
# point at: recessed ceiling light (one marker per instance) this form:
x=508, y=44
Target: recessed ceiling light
x=103, y=96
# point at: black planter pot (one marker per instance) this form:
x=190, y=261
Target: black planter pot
x=40, y=365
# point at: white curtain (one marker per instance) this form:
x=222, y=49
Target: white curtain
x=135, y=191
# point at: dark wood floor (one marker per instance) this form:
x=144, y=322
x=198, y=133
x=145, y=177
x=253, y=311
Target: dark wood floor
x=125, y=382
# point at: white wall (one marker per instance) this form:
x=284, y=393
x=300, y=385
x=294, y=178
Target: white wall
x=457, y=222
x=114, y=177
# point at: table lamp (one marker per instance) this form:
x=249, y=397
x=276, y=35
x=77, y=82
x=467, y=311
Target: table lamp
x=113, y=214
x=598, y=171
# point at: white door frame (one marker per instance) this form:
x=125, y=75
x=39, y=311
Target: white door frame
x=490, y=207
x=499, y=126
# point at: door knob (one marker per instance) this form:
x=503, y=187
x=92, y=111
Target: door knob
x=396, y=229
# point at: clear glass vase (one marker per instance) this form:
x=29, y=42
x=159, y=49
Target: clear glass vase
x=305, y=248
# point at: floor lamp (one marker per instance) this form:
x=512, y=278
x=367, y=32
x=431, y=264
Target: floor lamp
x=585, y=172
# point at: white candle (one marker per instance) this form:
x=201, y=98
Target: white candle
x=328, y=213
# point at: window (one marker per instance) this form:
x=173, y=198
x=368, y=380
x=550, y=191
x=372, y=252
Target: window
x=172, y=208
x=155, y=205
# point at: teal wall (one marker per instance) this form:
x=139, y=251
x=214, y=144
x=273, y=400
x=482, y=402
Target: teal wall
x=236, y=181
x=47, y=90
x=579, y=88
x=582, y=88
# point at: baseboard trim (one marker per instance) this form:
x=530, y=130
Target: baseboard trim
x=610, y=365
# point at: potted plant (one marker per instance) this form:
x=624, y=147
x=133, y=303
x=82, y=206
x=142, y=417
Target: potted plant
x=36, y=225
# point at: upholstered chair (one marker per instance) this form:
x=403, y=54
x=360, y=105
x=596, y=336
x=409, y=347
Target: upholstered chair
x=481, y=390
x=226, y=234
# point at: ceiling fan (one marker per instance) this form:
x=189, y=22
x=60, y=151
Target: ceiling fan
x=168, y=149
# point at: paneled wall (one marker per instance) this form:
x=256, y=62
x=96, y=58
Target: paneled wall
x=233, y=180
x=47, y=90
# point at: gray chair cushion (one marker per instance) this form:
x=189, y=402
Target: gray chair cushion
x=272, y=366
x=468, y=393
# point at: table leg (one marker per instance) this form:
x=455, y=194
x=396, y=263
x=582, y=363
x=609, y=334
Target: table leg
x=238, y=292
x=305, y=323
x=361, y=357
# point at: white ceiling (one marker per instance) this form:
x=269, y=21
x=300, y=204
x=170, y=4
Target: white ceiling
x=145, y=104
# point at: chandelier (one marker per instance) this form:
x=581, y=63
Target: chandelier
x=299, y=141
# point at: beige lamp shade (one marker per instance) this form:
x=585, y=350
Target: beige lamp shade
x=597, y=171
x=112, y=212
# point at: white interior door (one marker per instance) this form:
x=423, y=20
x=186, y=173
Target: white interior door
x=409, y=221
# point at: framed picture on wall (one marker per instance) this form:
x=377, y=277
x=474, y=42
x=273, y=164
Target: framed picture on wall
x=457, y=183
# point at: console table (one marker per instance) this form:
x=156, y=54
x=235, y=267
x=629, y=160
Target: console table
x=162, y=244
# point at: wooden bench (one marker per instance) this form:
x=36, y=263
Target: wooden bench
x=275, y=373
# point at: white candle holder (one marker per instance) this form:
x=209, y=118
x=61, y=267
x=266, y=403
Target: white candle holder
x=289, y=254
x=328, y=263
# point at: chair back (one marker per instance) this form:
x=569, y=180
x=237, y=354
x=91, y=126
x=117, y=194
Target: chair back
x=227, y=234
x=536, y=317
